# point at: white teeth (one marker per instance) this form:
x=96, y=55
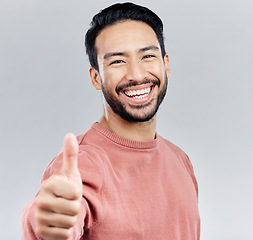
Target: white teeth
x=138, y=93
x=141, y=96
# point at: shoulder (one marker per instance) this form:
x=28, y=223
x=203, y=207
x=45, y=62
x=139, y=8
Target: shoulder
x=91, y=158
x=166, y=144
x=181, y=156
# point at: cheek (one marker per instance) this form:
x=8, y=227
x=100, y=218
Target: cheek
x=112, y=78
x=156, y=70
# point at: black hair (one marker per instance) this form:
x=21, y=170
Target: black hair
x=117, y=13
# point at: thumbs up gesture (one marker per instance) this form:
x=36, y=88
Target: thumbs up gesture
x=59, y=199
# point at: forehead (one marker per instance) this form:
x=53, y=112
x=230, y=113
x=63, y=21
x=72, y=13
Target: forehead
x=125, y=36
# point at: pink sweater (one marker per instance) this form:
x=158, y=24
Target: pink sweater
x=131, y=190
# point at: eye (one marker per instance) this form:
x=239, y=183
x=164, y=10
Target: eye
x=148, y=56
x=116, y=62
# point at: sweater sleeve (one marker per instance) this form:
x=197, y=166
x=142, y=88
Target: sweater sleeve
x=92, y=207
x=27, y=222
x=190, y=170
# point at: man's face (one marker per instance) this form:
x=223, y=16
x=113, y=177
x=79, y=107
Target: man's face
x=132, y=72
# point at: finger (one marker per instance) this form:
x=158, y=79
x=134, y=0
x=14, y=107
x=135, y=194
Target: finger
x=58, y=186
x=70, y=153
x=53, y=232
x=59, y=205
x=45, y=218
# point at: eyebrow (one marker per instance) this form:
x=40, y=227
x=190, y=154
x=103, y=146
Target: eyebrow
x=152, y=47
x=112, y=54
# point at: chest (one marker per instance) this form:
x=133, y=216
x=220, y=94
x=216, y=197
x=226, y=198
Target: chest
x=149, y=199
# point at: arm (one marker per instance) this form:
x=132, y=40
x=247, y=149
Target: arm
x=58, y=210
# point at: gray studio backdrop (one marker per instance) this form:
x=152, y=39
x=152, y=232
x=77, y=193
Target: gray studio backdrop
x=45, y=92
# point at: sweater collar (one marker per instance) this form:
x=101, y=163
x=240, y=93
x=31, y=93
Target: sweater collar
x=125, y=141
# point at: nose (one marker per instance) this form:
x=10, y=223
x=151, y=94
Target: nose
x=135, y=71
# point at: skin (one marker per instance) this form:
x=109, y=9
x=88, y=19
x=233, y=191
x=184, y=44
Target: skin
x=128, y=53
x=59, y=199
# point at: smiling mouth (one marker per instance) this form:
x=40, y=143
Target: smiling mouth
x=138, y=94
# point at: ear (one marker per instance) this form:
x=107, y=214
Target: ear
x=95, y=78
x=167, y=65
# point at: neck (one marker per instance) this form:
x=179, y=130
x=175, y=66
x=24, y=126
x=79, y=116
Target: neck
x=139, y=131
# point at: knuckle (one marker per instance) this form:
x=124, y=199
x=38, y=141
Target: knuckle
x=42, y=203
x=64, y=234
x=40, y=219
x=47, y=233
x=70, y=222
x=48, y=185
x=73, y=221
x=37, y=218
x=78, y=191
x=76, y=208
x=40, y=230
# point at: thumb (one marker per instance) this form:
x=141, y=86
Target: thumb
x=70, y=154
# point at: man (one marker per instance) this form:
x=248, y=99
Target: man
x=120, y=179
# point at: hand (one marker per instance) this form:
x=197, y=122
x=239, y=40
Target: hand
x=59, y=199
